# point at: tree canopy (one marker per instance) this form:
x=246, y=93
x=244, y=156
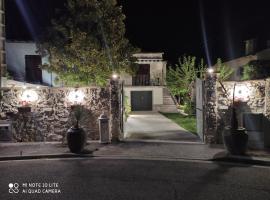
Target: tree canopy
x=181, y=77
x=86, y=42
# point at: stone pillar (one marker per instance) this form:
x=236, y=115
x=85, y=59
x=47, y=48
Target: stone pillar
x=114, y=110
x=210, y=112
x=2, y=41
x=266, y=122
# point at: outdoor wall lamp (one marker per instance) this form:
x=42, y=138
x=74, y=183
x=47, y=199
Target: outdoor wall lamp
x=29, y=96
x=76, y=96
x=210, y=70
x=241, y=93
x=115, y=76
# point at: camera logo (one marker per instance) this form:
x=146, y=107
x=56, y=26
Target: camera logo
x=13, y=188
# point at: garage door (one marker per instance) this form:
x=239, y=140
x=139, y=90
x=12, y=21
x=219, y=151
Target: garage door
x=141, y=100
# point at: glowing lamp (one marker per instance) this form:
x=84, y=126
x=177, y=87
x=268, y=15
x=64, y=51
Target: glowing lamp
x=76, y=96
x=29, y=96
x=115, y=76
x=210, y=70
x=241, y=93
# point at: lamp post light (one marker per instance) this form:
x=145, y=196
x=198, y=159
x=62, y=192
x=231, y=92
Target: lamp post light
x=115, y=76
x=210, y=70
x=76, y=96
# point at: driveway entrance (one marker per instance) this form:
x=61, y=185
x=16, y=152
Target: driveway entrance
x=154, y=126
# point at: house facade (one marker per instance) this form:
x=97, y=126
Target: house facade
x=146, y=90
x=24, y=64
x=252, y=56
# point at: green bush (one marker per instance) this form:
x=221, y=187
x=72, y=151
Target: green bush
x=189, y=108
x=256, y=70
x=249, y=72
x=127, y=108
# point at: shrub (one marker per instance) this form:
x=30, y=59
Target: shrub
x=127, y=108
x=189, y=108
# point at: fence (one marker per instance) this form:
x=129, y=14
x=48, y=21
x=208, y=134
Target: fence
x=51, y=115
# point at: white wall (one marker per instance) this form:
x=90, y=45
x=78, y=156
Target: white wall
x=16, y=52
x=157, y=70
x=126, y=78
x=157, y=92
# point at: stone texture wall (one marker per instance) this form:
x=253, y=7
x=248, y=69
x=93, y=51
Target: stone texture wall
x=51, y=114
x=210, y=114
x=267, y=113
x=251, y=100
x=218, y=103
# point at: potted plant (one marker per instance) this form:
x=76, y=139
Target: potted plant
x=76, y=136
x=25, y=108
x=235, y=138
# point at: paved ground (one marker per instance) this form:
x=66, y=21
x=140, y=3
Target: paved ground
x=114, y=179
x=122, y=149
x=154, y=126
x=127, y=149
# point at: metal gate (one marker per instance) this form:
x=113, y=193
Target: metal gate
x=200, y=108
x=122, y=106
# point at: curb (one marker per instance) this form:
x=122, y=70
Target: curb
x=244, y=160
x=228, y=159
x=48, y=156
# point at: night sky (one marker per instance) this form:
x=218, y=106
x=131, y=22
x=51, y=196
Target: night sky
x=191, y=27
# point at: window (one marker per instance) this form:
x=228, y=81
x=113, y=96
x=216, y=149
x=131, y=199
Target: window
x=142, y=77
x=33, y=72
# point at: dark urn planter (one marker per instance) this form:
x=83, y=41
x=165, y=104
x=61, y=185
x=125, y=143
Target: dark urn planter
x=24, y=109
x=235, y=141
x=76, y=139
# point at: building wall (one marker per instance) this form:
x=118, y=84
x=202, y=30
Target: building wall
x=157, y=92
x=157, y=70
x=264, y=55
x=237, y=64
x=16, y=52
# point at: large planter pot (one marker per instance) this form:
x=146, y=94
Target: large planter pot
x=24, y=109
x=76, y=139
x=235, y=141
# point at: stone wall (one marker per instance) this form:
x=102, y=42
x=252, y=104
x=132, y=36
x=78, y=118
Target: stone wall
x=51, y=114
x=210, y=107
x=250, y=98
x=267, y=112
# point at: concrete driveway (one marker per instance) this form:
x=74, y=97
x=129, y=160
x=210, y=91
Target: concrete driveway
x=154, y=126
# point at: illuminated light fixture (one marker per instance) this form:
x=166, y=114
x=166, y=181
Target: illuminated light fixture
x=210, y=70
x=115, y=76
x=241, y=93
x=76, y=96
x=38, y=87
x=29, y=96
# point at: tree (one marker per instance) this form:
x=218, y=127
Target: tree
x=181, y=77
x=86, y=42
x=224, y=71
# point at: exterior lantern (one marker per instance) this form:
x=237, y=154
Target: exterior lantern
x=76, y=96
x=210, y=70
x=29, y=96
x=241, y=93
x=115, y=76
